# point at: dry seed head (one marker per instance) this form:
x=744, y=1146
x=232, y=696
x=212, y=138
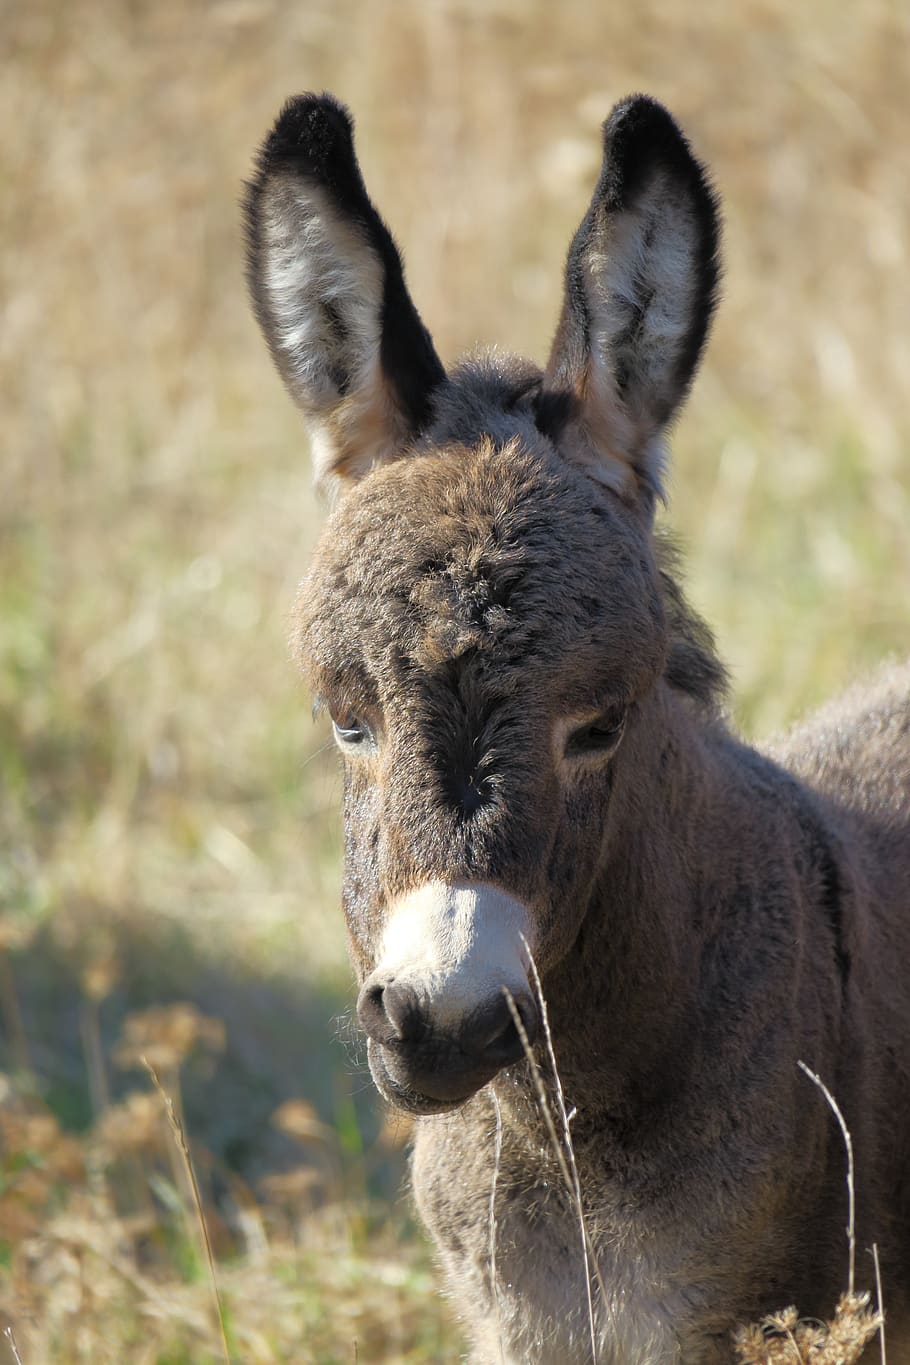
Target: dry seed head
x=132, y=1125
x=38, y=1159
x=19, y=1217
x=165, y=1035
x=35, y=1132
x=99, y=976
x=299, y=1120
x=26, y=1129
x=293, y=1188
x=16, y=932
x=854, y=1324
x=783, y=1339
x=749, y=1345
x=65, y=1160
x=787, y=1320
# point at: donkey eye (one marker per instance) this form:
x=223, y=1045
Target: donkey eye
x=350, y=731
x=600, y=736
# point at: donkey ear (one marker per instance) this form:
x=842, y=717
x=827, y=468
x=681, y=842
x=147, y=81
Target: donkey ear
x=640, y=289
x=329, y=293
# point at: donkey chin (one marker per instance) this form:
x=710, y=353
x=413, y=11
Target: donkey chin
x=440, y=1008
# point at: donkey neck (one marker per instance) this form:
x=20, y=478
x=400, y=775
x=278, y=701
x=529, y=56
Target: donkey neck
x=698, y=840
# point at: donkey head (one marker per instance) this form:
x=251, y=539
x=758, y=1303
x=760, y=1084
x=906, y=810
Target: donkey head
x=484, y=619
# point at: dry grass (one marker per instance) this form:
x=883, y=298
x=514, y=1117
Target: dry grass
x=786, y=1339
x=112, y=1248
x=155, y=810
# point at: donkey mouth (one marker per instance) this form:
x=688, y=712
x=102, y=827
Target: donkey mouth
x=423, y=1090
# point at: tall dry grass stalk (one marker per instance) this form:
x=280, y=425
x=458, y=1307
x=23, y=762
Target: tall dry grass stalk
x=784, y=1338
x=569, y=1146
x=494, y=1183
x=851, y=1182
x=880, y=1305
x=14, y=1349
x=564, y=1149
x=176, y=1127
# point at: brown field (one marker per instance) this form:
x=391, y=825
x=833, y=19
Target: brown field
x=168, y=814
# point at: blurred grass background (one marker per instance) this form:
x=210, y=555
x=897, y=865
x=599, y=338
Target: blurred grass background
x=169, y=822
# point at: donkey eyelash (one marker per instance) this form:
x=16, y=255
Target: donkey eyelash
x=600, y=736
x=347, y=725
x=352, y=733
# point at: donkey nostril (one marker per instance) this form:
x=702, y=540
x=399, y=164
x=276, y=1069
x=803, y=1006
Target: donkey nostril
x=389, y=1013
x=403, y=1011
x=371, y=1012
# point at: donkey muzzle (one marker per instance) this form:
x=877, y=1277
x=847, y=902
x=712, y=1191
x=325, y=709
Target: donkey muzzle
x=438, y=1009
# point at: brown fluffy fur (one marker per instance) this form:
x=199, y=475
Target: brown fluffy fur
x=704, y=914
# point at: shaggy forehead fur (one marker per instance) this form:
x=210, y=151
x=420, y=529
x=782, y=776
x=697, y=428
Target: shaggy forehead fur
x=483, y=542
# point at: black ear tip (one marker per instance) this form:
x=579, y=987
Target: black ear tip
x=640, y=136
x=313, y=133
x=640, y=115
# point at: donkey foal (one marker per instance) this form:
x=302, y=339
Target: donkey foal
x=534, y=754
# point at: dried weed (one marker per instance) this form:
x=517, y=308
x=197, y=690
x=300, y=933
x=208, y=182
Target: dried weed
x=786, y=1339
